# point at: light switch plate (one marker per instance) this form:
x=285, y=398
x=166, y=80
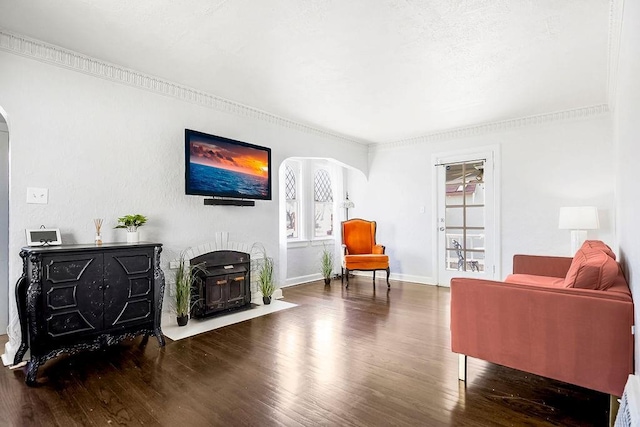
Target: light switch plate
x=37, y=195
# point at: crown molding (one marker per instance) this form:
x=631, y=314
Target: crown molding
x=616, y=10
x=65, y=58
x=492, y=127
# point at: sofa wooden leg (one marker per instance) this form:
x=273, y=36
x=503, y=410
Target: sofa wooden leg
x=462, y=367
x=388, y=272
x=614, y=406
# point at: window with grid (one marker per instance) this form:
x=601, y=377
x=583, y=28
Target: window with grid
x=293, y=205
x=465, y=216
x=323, y=204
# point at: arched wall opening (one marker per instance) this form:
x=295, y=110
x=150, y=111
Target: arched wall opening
x=300, y=252
x=4, y=221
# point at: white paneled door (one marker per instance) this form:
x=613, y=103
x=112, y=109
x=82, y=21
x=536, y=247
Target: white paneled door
x=466, y=216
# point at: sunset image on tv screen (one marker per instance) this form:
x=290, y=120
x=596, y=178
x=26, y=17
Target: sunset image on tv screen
x=219, y=167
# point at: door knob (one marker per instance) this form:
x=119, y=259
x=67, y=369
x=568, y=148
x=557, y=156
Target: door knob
x=441, y=228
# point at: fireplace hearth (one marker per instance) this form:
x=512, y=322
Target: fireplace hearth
x=223, y=285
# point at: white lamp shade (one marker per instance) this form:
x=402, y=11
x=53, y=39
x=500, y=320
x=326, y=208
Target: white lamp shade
x=579, y=218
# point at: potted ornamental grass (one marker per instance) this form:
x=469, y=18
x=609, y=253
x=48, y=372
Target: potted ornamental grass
x=265, y=279
x=326, y=265
x=186, y=279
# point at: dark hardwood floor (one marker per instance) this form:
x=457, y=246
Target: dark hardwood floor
x=342, y=357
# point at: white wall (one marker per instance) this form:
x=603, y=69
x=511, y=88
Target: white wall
x=627, y=130
x=104, y=149
x=543, y=167
x=303, y=261
x=4, y=224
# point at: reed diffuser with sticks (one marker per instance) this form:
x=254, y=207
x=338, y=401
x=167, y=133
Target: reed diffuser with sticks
x=98, y=223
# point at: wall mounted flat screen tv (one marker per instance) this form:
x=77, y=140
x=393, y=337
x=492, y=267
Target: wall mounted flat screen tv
x=222, y=167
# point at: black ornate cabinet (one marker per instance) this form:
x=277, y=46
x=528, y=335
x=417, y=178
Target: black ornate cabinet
x=82, y=297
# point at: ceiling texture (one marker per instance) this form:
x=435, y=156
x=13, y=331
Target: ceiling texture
x=375, y=71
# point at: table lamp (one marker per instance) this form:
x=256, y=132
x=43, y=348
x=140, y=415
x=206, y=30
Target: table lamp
x=578, y=219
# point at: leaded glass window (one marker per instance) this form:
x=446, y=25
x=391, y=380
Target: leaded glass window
x=291, y=194
x=323, y=204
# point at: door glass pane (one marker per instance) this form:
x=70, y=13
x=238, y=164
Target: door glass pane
x=475, y=240
x=455, y=255
x=475, y=196
x=475, y=216
x=454, y=217
x=475, y=261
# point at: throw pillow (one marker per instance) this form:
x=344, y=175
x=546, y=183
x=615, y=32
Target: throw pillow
x=599, y=244
x=591, y=269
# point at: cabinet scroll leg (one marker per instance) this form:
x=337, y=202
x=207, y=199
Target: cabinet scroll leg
x=20, y=353
x=21, y=300
x=32, y=371
x=158, y=333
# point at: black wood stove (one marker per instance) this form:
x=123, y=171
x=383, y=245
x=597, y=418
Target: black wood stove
x=224, y=284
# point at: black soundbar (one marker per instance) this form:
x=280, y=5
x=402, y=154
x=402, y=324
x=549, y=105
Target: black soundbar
x=229, y=202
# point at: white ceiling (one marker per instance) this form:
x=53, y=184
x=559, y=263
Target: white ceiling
x=372, y=70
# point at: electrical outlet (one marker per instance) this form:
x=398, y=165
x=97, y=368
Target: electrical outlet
x=174, y=264
x=37, y=195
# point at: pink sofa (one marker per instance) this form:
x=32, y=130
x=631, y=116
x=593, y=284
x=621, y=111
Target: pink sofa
x=569, y=319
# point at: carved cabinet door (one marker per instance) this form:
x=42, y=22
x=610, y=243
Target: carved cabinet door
x=71, y=294
x=128, y=287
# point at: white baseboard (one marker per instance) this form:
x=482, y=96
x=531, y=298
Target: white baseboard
x=424, y=280
x=302, y=279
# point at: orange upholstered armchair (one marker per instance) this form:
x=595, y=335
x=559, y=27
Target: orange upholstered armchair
x=359, y=249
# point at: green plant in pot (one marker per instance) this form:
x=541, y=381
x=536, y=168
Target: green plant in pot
x=265, y=279
x=131, y=223
x=186, y=279
x=326, y=265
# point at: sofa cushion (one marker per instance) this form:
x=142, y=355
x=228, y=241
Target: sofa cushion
x=599, y=244
x=591, y=269
x=366, y=262
x=532, y=279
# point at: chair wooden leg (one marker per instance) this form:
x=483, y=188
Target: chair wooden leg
x=346, y=272
x=388, y=272
x=374, y=276
x=342, y=275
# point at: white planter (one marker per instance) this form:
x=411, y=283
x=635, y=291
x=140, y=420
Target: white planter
x=133, y=237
